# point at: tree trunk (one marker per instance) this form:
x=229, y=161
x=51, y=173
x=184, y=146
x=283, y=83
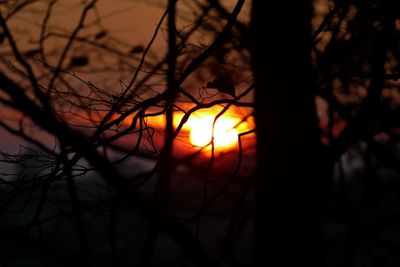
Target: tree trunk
x=288, y=231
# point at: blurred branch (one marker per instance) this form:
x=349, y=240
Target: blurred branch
x=189, y=245
x=70, y=41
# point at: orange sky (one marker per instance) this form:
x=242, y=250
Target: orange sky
x=130, y=22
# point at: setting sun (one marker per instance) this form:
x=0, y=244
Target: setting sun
x=226, y=128
x=201, y=131
x=198, y=130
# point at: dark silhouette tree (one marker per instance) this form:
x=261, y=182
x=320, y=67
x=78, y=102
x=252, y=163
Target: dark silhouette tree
x=91, y=123
x=289, y=178
x=105, y=174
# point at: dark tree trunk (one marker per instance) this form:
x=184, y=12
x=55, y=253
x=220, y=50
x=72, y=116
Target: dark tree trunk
x=288, y=231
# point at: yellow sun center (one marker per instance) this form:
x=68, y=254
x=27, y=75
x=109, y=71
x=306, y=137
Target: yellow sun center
x=200, y=125
x=201, y=132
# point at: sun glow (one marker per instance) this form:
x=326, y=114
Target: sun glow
x=201, y=132
x=204, y=129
